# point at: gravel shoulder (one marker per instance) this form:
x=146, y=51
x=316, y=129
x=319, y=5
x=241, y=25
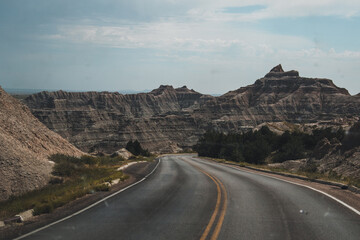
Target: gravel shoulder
x=135, y=173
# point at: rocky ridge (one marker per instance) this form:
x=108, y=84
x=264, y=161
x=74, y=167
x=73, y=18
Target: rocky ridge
x=25, y=144
x=168, y=118
x=96, y=121
x=328, y=159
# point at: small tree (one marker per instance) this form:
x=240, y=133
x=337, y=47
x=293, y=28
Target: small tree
x=291, y=150
x=136, y=149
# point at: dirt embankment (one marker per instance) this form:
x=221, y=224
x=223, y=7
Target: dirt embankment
x=25, y=145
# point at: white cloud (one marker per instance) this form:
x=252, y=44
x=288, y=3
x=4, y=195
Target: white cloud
x=205, y=27
x=195, y=37
x=206, y=39
x=276, y=9
x=199, y=41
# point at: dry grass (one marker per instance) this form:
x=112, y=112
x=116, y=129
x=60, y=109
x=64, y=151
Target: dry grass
x=75, y=177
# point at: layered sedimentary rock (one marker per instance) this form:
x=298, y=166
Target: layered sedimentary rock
x=166, y=118
x=96, y=121
x=25, y=144
x=283, y=97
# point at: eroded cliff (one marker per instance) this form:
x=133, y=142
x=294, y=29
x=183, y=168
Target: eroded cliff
x=25, y=144
x=106, y=121
x=166, y=118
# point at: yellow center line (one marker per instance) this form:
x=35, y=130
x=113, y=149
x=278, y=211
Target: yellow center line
x=222, y=214
x=218, y=201
x=220, y=188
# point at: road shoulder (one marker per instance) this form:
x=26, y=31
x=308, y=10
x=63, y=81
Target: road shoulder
x=344, y=195
x=135, y=172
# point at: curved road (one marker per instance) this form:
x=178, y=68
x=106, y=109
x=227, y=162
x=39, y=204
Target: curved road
x=189, y=198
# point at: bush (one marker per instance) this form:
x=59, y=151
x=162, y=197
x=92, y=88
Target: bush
x=136, y=149
x=43, y=208
x=255, y=146
x=256, y=151
x=89, y=160
x=252, y=147
x=110, y=160
x=291, y=150
x=102, y=188
x=56, y=180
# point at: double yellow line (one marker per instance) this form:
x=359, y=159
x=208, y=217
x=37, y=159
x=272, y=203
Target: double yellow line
x=219, y=211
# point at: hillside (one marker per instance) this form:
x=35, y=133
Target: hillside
x=168, y=118
x=25, y=144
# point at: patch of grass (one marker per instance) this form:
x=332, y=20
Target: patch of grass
x=73, y=178
x=143, y=158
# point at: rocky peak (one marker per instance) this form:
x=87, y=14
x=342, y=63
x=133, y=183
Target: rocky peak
x=169, y=87
x=184, y=89
x=162, y=88
x=278, y=72
x=277, y=68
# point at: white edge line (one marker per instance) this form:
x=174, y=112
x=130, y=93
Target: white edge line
x=299, y=184
x=88, y=207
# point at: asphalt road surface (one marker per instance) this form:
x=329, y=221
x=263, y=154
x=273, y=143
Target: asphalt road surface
x=189, y=198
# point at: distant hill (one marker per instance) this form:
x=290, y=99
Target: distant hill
x=15, y=91
x=168, y=118
x=25, y=144
x=20, y=91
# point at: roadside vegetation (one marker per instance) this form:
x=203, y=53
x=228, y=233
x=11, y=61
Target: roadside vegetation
x=259, y=148
x=310, y=174
x=72, y=178
x=256, y=146
x=136, y=149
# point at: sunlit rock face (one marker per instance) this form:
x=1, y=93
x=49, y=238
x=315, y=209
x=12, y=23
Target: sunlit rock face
x=25, y=145
x=168, y=118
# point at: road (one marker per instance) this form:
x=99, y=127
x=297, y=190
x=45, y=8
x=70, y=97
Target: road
x=189, y=198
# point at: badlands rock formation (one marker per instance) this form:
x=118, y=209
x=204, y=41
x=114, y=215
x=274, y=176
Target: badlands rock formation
x=124, y=153
x=25, y=144
x=106, y=121
x=167, y=118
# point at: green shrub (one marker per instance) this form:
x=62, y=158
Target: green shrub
x=136, y=149
x=291, y=150
x=90, y=160
x=102, y=188
x=43, y=208
x=56, y=180
x=255, y=146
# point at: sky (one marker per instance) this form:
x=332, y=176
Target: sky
x=210, y=46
